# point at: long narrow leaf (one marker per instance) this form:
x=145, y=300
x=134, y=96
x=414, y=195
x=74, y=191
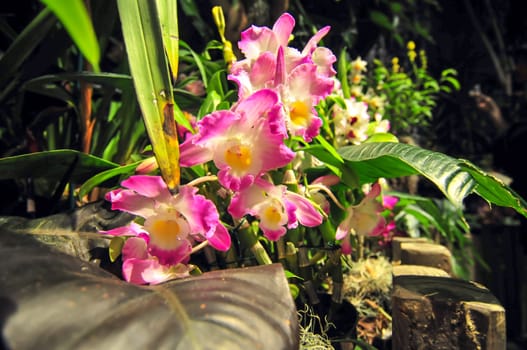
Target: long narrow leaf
x=169, y=28
x=24, y=44
x=53, y=165
x=149, y=67
x=76, y=20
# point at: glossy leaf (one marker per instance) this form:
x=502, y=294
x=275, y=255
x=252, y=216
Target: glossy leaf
x=455, y=178
x=56, y=301
x=76, y=20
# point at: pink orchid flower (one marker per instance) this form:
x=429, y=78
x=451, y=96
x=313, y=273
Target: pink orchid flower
x=275, y=207
x=172, y=222
x=243, y=143
x=386, y=235
x=302, y=79
x=363, y=219
x=389, y=202
x=257, y=41
x=140, y=267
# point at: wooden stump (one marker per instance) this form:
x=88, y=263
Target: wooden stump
x=445, y=313
x=418, y=270
x=426, y=254
x=396, y=245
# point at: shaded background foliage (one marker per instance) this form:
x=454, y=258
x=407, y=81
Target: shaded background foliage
x=484, y=40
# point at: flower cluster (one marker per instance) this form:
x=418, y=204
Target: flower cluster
x=250, y=148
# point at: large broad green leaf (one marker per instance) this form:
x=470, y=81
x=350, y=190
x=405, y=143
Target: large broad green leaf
x=50, y=300
x=455, y=178
x=149, y=67
x=53, y=165
x=75, y=18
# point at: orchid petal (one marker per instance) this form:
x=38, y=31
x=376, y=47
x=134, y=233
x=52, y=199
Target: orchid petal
x=177, y=254
x=131, y=202
x=148, y=186
x=312, y=43
x=150, y=271
x=131, y=229
x=191, y=154
x=305, y=211
x=256, y=105
x=220, y=239
x=280, y=76
x=134, y=247
x=283, y=27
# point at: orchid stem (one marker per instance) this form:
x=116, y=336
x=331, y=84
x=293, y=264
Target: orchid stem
x=202, y=179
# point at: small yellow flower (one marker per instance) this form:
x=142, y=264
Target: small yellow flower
x=356, y=90
x=395, y=64
x=410, y=45
x=424, y=60
x=411, y=55
x=358, y=65
x=356, y=78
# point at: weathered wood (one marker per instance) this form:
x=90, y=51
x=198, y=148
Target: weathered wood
x=418, y=270
x=431, y=312
x=426, y=254
x=396, y=245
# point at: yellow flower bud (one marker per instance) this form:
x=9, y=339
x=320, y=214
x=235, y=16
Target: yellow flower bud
x=410, y=45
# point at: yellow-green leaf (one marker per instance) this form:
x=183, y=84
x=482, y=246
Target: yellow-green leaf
x=149, y=68
x=115, y=248
x=167, y=10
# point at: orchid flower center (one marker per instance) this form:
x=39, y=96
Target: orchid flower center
x=272, y=214
x=238, y=157
x=165, y=231
x=300, y=113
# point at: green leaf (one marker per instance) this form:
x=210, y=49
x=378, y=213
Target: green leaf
x=103, y=177
x=381, y=20
x=53, y=165
x=119, y=81
x=149, y=67
x=237, y=309
x=168, y=18
x=455, y=178
x=115, y=248
x=382, y=137
x=493, y=189
x=76, y=20
x=342, y=73
x=198, y=61
x=24, y=44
